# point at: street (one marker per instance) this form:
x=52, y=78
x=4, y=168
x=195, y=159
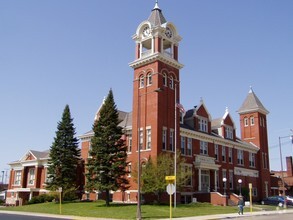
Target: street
x=24, y=217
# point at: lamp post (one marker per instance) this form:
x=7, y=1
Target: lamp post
x=240, y=182
x=282, y=170
x=224, y=181
x=138, y=210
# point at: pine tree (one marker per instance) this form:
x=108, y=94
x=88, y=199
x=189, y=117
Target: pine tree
x=64, y=156
x=106, y=168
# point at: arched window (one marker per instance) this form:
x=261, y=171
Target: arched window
x=245, y=122
x=171, y=82
x=149, y=79
x=251, y=120
x=141, y=81
x=165, y=81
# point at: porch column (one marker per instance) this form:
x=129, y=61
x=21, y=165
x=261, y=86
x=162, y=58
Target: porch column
x=199, y=179
x=215, y=178
x=31, y=195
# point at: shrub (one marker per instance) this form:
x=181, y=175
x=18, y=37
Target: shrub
x=42, y=198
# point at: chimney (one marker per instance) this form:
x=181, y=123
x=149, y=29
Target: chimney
x=289, y=166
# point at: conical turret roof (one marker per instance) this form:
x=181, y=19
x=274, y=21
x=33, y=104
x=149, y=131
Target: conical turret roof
x=252, y=104
x=157, y=18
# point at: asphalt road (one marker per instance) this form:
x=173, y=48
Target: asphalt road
x=4, y=216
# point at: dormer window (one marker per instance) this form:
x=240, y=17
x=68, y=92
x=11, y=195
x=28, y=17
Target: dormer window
x=203, y=124
x=229, y=132
x=141, y=81
x=149, y=79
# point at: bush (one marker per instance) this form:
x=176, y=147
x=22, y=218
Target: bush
x=42, y=198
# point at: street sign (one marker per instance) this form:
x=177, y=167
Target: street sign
x=170, y=189
x=169, y=178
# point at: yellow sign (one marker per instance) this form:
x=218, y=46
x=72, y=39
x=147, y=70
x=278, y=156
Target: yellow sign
x=169, y=178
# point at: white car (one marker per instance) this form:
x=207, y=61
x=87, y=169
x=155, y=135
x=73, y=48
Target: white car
x=289, y=198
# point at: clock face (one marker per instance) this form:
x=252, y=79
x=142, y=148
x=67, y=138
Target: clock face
x=168, y=32
x=146, y=31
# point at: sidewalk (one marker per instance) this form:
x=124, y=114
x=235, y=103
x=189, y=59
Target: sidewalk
x=206, y=217
x=235, y=215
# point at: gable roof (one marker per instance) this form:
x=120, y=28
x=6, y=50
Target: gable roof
x=252, y=104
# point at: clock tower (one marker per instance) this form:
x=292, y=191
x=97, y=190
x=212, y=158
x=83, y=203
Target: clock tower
x=155, y=87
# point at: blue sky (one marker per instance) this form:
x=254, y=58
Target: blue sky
x=58, y=52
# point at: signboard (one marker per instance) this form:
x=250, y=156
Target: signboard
x=170, y=189
x=169, y=178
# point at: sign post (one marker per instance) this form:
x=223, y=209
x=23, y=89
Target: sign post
x=60, y=193
x=170, y=190
x=250, y=196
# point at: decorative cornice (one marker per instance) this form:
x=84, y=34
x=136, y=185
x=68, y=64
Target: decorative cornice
x=218, y=140
x=154, y=57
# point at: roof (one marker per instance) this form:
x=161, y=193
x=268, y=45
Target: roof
x=157, y=18
x=252, y=104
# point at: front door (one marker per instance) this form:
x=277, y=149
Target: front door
x=205, y=180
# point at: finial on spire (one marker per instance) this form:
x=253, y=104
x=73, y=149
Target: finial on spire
x=157, y=5
x=227, y=110
x=250, y=90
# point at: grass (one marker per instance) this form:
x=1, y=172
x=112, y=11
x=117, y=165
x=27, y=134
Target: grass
x=124, y=211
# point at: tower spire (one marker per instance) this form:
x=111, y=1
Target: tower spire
x=157, y=6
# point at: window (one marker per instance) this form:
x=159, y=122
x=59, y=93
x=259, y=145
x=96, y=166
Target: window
x=17, y=177
x=149, y=79
x=230, y=155
x=148, y=138
x=203, y=124
x=229, y=132
x=165, y=81
x=90, y=149
x=224, y=174
x=171, y=82
x=171, y=140
x=164, y=139
x=240, y=160
x=189, y=146
x=254, y=191
x=251, y=120
x=183, y=145
x=231, y=179
x=251, y=159
x=129, y=170
x=140, y=139
x=223, y=153
x=203, y=148
x=186, y=175
x=245, y=122
x=31, y=178
x=141, y=81
x=129, y=143
x=216, y=152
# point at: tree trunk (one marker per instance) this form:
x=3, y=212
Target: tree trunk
x=107, y=198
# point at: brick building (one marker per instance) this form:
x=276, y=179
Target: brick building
x=210, y=146
x=158, y=124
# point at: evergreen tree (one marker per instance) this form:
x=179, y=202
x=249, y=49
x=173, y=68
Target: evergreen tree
x=106, y=168
x=64, y=156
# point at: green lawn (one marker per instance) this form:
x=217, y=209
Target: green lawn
x=120, y=211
